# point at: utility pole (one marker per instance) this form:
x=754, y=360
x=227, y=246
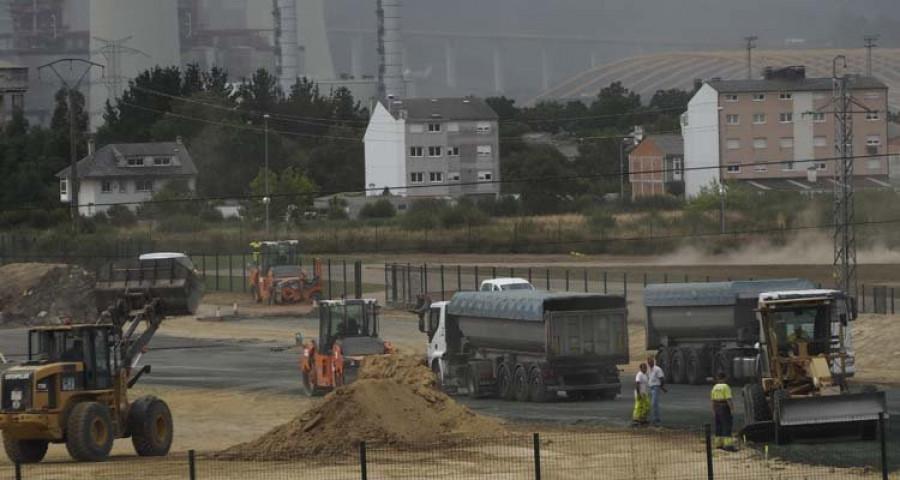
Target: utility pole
x=70, y=89
x=870, y=44
x=751, y=44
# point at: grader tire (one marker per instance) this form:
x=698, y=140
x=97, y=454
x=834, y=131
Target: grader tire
x=150, y=425
x=89, y=435
x=24, y=451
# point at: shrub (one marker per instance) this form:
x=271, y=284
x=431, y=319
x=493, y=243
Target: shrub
x=337, y=208
x=600, y=219
x=464, y=213
x=424, y=214
x=180, y=223
x=121, y=216
x=383, y=208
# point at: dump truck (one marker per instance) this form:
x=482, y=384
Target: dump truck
x=73, y=389
x=348, y=331
x=169, y=277
x=700, y=330
x=277, y=276
x=795, y=388
x=525, y=345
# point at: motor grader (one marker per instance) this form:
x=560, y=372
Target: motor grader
x=277, y=277
x=73, y=389
x=796, y=389
x=348, y=331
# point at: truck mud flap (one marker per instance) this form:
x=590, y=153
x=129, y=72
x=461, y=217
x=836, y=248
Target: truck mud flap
x=844, y=408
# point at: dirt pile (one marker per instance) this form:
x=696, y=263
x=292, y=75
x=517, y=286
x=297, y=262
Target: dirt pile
x=45, y=294
x=393, y=402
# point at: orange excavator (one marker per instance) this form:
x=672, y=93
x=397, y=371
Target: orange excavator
x=278, y=278
x=348, y=331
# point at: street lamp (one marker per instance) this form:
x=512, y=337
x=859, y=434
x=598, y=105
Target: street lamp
x=266, y=198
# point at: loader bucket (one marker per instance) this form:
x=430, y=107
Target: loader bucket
x=832, y=409
x=172, y=279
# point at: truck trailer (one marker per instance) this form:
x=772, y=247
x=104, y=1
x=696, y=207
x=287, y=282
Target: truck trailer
x=702, y=329
x=527, y=345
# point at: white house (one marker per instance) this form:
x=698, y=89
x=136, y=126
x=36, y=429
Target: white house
x=438, y=147
x=127, y=173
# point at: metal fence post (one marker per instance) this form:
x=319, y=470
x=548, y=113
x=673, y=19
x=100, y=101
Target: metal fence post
x=364, y=474
x=425, y=279
x=567, y=279
x=443, y=296
x=512, y=272
x=529, y=275
x=548, y=279
x=476, y=278
x=217, y=271
x=358, y=279
x=883, y=441
x=230, y=273
x=864, y=298
x=344, y=267
x=331, y=280
x=18, y=471
x=458, y=278
x=585, y=281
x=244, y=272
x=192, y=465
x=625, y=283
x=605, y=289
x=493, y=272
x=537, y=456
x=709, y=454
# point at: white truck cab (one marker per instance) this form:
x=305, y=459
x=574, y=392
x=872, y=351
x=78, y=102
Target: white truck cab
x=505, y=284
x=433, y=322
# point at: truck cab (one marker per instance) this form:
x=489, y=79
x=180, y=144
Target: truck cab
x=434, y=326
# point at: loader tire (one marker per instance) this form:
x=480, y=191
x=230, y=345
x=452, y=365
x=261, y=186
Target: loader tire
x=755, y=400
x=695, y=371
x=89, y=435
x=150, y=425
x=24, y=451
x=677, y=366
x=664, y=358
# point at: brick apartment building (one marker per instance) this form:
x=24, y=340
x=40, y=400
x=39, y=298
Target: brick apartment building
x=778, y=132
x=657, y=167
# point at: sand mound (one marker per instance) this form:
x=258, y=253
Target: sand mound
x=393, y=402
x=45, y=294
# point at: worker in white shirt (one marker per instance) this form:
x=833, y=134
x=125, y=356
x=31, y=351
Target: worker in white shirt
x=641, y=397
x=657, y=382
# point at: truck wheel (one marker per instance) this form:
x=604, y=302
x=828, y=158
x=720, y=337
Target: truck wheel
x=150, y=425
x=24, y=451
x=664, y=358
x=89, y=436
x=520, y=384
x=505, y=383
x=722, y=365
x=538, y=388
x=677, y=367
x=695, y=374
x=755, y=400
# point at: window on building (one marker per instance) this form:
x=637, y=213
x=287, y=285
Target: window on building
x=416, y=177
x=760, y=168
x=63, y=187
x=787, y=167
x=731, y=98
x=436, y=177
x=786, y=142
x=873, y=140
x=820, y=142
x=733, y=144
x=485, y=176
x=483, y=127
x=453, y=151
x=453, y=126
x=733, y=119
x=872, y=116
x=135, y=161
x=760, y=143
x=759, y=97
x=873, y=164
x=786, y=117
x=821, y=165
x=786, y=96
x=123, y=186
x=759, y=118
x=734, y=169
x=434, y=127
x=162, y=161
x=818, y=117
x=684, y=120
x=485, y=150
x=678, y=168
x=453, y=176
x=143, y=185
x=106, y=187
x=435, y=151
x=416, y=128
x=416, y=151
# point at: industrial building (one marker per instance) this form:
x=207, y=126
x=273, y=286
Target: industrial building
x=13, y=85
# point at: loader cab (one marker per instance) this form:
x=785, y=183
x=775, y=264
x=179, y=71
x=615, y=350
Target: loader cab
x=88, y=345
x=346, y=319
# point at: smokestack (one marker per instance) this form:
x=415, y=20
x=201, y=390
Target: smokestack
x=390, y=49
x=287, y=43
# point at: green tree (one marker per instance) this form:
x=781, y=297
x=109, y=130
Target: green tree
x=616, y=107
x=546, y=178
x=382, y=208
x=290, y=190
x=504, y=107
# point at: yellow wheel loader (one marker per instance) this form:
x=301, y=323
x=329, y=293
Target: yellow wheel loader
x=796, y=388
x=73, y=389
